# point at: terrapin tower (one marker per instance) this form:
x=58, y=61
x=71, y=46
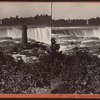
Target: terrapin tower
x=24, y=35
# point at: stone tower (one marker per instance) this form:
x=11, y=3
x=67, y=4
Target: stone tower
x=24, y=35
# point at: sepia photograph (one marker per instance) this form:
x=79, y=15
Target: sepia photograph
x=76, y=48
x=25, y=38
x=49, y=48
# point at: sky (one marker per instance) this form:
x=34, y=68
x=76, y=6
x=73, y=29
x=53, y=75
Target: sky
x=59, y=10
x=24, y=9
x=75, y=10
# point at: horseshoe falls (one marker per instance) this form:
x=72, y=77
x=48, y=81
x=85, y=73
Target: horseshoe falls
x=77, y=31
x=69, y=37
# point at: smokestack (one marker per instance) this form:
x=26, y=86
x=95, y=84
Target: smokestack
x=24, y=35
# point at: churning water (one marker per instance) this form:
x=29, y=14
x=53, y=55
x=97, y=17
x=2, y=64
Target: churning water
x=66, y=36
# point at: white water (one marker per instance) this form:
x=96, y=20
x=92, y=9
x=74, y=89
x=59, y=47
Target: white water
x=11, y=32
x=38, y=34
x=65, y=35
x=79, y=32
x=85, y=32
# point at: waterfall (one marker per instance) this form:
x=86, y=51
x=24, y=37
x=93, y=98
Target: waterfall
x=78, y=32
x=40, y=34
x=67, y=35
x=14, y=32
x=11, y=32
x=82, y=33
x=97, y=33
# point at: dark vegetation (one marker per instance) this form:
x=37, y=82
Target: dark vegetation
x=45, y=20
x=76, y=22
x=37, y=20
x=79, y=72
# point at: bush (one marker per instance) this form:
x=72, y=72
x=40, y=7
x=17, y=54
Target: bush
x=80, y=73
x=16, y=77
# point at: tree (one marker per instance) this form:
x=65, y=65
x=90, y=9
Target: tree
x=17, y=16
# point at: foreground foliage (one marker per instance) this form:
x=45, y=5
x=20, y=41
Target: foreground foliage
x=79, y=73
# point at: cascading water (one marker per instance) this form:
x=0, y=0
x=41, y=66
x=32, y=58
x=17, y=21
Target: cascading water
x=79, y=32
x=40, y=34
x=14, y=33
x=69, y=37
x=11, y=32
x=97, y=33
